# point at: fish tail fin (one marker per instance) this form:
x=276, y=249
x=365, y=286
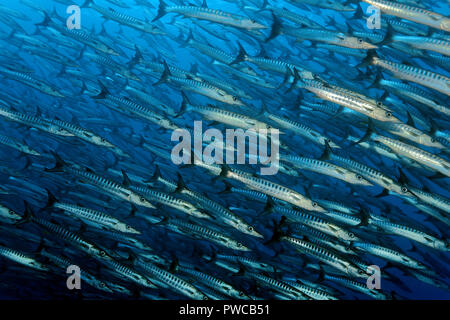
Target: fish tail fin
x=184, y=105
x=103, y=93
x=242, y=55
x=138, y=58
x=44, y=22
x=51, y=200
x=181, y=185
x=369, y=59
x=27, y=215
x=156, y=175
x=327, y=153
x=59, y=164
x=126, y=180
x=87, y=3
x=276, y=27
x=369, y=133
x=162, y=11
x=165, y=75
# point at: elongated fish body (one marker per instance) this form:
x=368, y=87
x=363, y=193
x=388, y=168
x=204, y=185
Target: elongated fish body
x=213, y=282
x=98, y=218
x=312, y=292
x=416, y=94
x=87, y=277
x=326, y=4
x=274, y=190
x=280, y=286
x=35, y=122
x=357, y=286
x=111, y=14
x=211, y=52
x=211, y=15
x=352, y=101
x=421, y=156
x=227, y=117
x=21, y=258
x=220, y=212
x=329, y=36
x=72, y=238
x=328, y=169
x=168, y=200
x=10, y=142
x=326, y=256
x=409, y=132
x=224, y=85
x=433, y=199
x=410, y=233
x=206, y=90
x=407, y=12
x=204, y=233
x=316, y=222
x=423, y=77
x=172, y=281
x=388, y=254
x=245, y=261
x=301, y=129
x=129, y=274
x=424, y=43
x=31, y=82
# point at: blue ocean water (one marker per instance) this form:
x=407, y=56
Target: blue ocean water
x=23, y=176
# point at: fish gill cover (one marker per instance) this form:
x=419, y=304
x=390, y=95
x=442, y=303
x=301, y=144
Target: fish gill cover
x=224, y=150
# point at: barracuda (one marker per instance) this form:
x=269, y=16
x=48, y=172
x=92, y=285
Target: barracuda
x=202, y=233
x=129, y=274
x=326, y=256
x=21, y=258
x=9, y=215
x=315, y=222
x=312, y=292
x=220, y=212
x=405, y=72
x=409, y=232
x=326, y=168
x=299, y=128
x=168, y=279
x=213, y=15
x=35, y=122
x=110, y=188
x=111, y=14
x=388, y=254
x=417, y=94
x=280, y=286
x=97, y=218
x=212, y=282
x=31, y=82
x=415, y=14
x=87, y=277
x=354, y=285
x=10, y=142
x=271, y=189
x=199, y=87
x=125, y=105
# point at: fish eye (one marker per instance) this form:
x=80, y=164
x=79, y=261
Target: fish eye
x=250, y=228
x=253, y=21
x=359, y=177
x=314, y=204
x=351, y=235
x=235, y=98
x=433, y=140
x=241, y=294
x=102, y=253
x=205, y=298
x=404, y=189
x=11, y=212
x=102, y=285
x=142, y=199
x=379, y=103
x=103, y=140
x=360, y=40
x=239, y=244
x=388, y=114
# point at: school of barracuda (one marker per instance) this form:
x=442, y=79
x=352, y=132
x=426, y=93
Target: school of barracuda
x=87, y=178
